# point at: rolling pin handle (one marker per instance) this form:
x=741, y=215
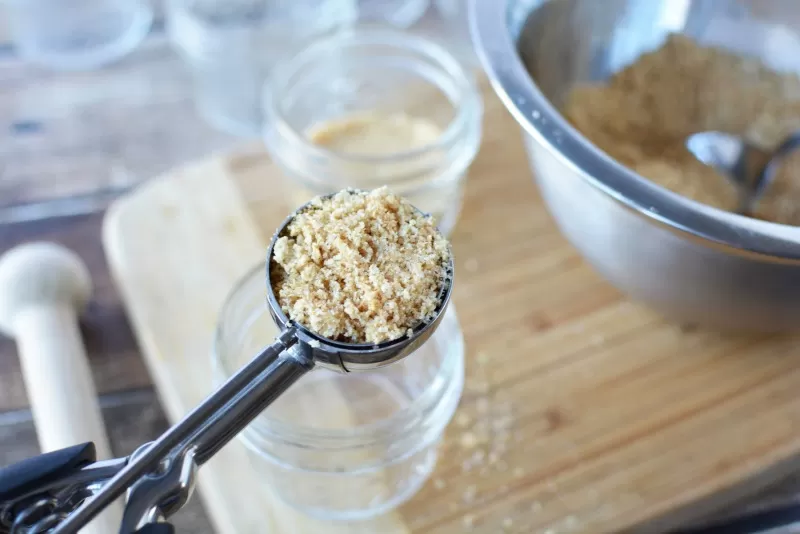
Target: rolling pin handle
x=43, y=289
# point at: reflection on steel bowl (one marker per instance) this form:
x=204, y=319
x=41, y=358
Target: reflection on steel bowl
x=690, y=261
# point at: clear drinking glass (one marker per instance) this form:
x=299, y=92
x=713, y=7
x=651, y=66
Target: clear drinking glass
x=455, y=22
x=231, y=45
x=366, y=72
x=77, y=34
x=344, y=446
x=399, y=13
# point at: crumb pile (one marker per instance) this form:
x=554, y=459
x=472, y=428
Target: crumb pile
x=360, y=267
x=642, y=115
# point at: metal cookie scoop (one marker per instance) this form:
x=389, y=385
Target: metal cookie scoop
x=160, y=475
x=750, y=168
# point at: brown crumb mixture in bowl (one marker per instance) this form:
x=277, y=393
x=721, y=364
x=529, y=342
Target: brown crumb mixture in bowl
x=642, y=115
x=360, y=267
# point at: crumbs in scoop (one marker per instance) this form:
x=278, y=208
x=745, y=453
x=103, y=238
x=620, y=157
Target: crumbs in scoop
x=360, y=267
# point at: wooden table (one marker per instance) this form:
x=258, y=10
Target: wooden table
x=69, y=143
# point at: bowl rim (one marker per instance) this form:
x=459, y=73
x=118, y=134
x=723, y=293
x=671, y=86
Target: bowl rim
x=501, y=61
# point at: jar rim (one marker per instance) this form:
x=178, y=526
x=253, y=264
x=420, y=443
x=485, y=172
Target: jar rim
x=416, y=411
x=467, y=104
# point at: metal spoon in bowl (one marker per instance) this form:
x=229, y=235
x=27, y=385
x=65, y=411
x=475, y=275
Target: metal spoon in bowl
x=750, y=168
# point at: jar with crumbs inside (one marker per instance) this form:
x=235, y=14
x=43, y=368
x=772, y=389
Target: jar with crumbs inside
x=368, y=107
x=344, y=446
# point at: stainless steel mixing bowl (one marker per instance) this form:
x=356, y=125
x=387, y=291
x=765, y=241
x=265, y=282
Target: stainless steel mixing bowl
x=689, y=261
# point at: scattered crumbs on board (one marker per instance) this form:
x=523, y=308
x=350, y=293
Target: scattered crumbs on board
x=482, y=433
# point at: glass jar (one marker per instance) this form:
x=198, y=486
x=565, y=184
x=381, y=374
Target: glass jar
x=78, y=34
x=344, y=446
x=230, y=46
x=399, y=13
x=373, y=74
x=454, y=18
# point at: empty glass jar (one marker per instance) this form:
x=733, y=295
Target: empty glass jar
x=453, y=15
x=344, y=446
x=400, y=13
x=231, y=45
x=77, y=34
x=367, y=107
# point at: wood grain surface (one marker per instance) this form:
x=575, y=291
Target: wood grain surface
x=614, y=419
x=67, y=134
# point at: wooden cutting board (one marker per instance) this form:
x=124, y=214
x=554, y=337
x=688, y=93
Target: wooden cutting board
x=583, y=412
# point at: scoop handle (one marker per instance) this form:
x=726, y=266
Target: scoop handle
x=760, y=522
x=156, y=528
x=30, y=475
x=209, y=424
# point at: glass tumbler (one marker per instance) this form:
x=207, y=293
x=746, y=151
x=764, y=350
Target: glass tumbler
x=455, y=22
x=399, y=13
x=231, y=45
x=344, y=446
x=77, y=34
x=409, y=103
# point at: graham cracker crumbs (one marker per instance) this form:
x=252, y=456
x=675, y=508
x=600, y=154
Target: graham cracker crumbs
x=469, y=493
x=469, y=440
x=360, y=267
x=643, y=114
x=468, y=520
x=482, y=442
x=462, y=419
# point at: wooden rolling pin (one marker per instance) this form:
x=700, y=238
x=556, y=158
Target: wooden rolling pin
x=43, y=288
